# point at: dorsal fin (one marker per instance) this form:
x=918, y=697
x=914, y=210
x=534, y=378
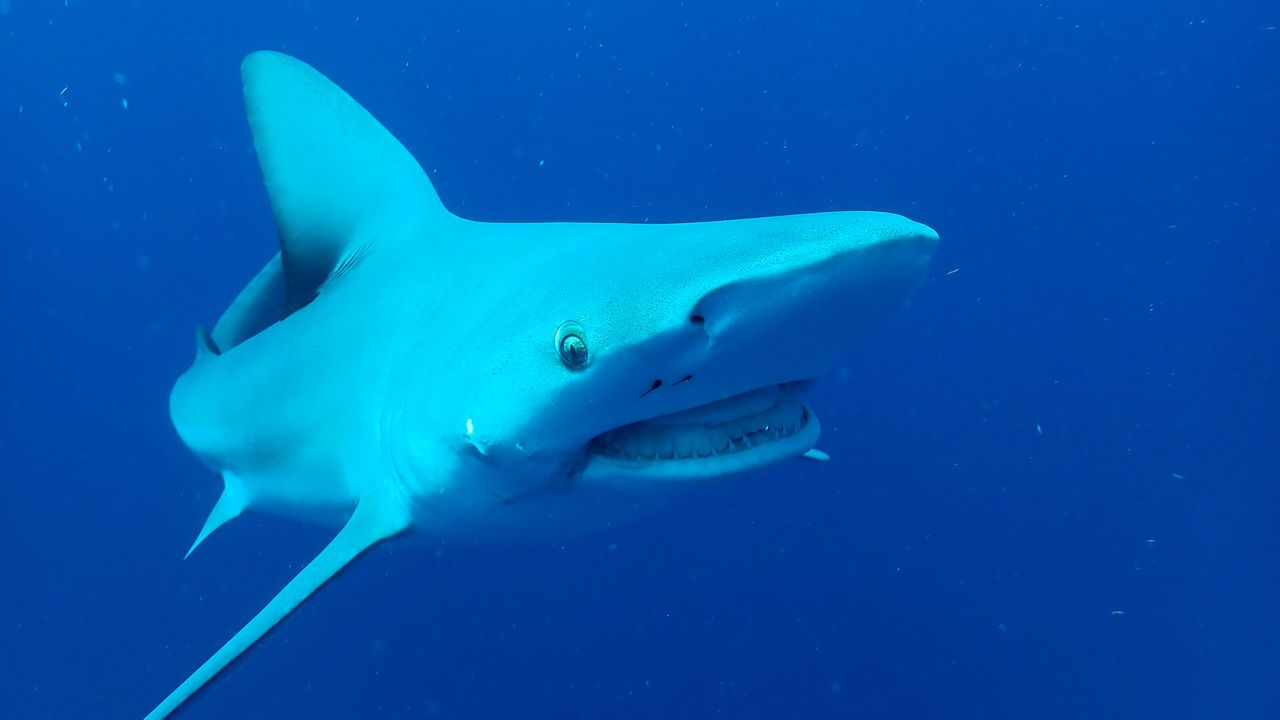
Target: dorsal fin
x=375, y=519
x=337, y=178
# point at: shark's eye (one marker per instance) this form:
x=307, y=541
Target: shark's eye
x=571, y=343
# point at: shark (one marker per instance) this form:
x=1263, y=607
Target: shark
x=397, y=369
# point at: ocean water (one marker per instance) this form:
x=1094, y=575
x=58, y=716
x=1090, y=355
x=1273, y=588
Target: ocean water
x=1053, y=491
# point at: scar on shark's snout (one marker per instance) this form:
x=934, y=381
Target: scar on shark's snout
x=657, y=383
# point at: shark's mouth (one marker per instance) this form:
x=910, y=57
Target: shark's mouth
x=734, y=435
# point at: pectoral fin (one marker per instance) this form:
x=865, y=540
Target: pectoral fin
x=374, y=520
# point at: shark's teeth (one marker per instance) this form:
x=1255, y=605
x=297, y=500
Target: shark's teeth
x=662, y=442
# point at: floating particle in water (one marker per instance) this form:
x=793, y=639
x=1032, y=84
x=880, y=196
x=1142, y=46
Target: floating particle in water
x=118, y=78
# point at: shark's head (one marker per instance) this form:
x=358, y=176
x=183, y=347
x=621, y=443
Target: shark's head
x=674, y=353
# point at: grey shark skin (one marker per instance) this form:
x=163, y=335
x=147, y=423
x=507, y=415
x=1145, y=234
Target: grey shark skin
x=399, y=368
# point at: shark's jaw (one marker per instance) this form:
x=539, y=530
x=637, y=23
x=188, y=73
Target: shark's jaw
x=735, y=435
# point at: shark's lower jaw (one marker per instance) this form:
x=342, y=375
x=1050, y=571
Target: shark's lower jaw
x=739, y=434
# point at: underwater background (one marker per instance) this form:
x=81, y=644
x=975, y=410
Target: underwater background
x=1053, y=491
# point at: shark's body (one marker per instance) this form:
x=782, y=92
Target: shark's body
x=398, y=367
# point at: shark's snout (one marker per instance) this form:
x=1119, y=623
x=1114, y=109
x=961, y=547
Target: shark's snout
x=788, y=301
x=837, y=275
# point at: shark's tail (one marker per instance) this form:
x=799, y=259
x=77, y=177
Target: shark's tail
x=372, y=522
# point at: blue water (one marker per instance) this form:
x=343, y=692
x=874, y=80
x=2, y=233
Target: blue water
x=1054, y=485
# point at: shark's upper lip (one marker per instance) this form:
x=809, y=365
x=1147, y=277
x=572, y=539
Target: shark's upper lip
x=738, y=433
